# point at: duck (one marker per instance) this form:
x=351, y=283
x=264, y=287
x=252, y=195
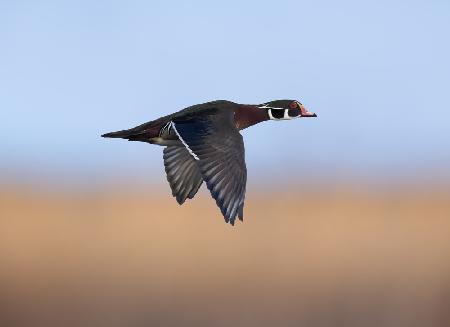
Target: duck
x=203, y=143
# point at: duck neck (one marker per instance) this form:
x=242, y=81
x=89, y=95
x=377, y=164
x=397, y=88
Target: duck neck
x=249, y=115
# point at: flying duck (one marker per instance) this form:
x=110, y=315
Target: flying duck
x=203, y=143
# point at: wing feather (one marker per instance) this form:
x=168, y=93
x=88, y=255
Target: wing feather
x=219, y=147
x=182, y=173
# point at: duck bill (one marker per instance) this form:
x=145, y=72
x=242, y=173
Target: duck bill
x=305, y=113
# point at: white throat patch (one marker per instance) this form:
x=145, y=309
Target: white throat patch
x=270, y=110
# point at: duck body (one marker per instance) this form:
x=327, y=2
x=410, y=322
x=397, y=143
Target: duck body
x=203, y=144
x=159, y=131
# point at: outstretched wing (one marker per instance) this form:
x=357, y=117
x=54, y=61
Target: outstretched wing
x=218, y=149
x=182, y=173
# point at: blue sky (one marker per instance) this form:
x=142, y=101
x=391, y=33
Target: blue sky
x=377, y=73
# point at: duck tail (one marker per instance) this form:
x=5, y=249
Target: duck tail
x=124, y=134
x=140, y=133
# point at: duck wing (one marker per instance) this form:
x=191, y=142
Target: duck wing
x=217, y=148
x=182, y=173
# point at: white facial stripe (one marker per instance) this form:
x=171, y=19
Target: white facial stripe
x=267, y=107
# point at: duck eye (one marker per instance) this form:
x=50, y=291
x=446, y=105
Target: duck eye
x=277, y=113
x=293, y=105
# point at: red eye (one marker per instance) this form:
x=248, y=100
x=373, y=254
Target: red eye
x=293, y=105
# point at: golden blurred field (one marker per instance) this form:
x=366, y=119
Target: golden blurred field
x=337, y=257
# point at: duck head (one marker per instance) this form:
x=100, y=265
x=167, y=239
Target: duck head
x=249, y=115
x=285, y=110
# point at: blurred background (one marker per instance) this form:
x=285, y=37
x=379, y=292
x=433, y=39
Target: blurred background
x=347, y=215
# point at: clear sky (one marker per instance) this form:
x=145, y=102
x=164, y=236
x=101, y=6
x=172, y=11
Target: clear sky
x=377, y=73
